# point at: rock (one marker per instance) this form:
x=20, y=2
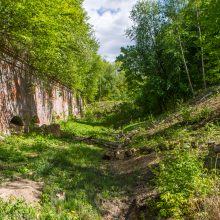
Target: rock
x=119, y=155
x=201, y=147
x=109, y=155
x=211, y=143
x=146, y=150
x=61, y=196
x=36, y=125
x=16, y=129
x=216, y=149
x=128, y=153
x=213, y=147
x=127, y=140
x=131, y=152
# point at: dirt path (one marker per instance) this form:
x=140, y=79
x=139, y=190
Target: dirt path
x=133, y=205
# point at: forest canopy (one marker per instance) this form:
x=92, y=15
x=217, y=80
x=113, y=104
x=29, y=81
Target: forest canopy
x=175, y=53
x=55, y=38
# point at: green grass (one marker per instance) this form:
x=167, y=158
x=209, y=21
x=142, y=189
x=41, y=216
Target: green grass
x=83, y=128
x=63, y=165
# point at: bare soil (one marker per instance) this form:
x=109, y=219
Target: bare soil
x=27, y=190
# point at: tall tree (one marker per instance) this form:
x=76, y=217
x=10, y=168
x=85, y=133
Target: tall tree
x=173, y=12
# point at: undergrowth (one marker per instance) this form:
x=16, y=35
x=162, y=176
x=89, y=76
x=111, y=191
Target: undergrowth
x=181, y=180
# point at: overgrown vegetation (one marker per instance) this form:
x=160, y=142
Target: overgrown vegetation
x=114, y=114
x=185, y=177
x=181, y=181
x=19, y=210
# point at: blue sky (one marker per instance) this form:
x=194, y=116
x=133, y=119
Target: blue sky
x=110, y=19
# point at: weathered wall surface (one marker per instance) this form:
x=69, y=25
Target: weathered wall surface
x=23, y=95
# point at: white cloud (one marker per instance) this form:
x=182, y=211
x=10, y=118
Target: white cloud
x=110, y=19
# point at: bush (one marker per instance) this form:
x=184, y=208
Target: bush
x=122, y=114
x=116, y=114
x=180, y=179
x=98, y=111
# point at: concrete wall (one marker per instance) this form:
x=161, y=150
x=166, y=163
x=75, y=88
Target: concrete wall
x=23, y=94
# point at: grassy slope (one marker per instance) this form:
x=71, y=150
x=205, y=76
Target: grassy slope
x=190, y=124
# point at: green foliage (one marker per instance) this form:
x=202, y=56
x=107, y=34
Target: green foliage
x=181, y=178
x=211, y=38
x=172, y=49
x=55, y=39
x=114, y=114
x=87, y=128
x=19, y=210
x=123, y=114
x=190, y=117
x=112, y=84
x=98, y=111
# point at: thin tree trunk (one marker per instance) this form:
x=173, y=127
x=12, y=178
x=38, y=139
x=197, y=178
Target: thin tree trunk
x=185, y=64
x=100, y=89
x=202, y=50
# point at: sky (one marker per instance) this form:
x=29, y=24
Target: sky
x=110, y=19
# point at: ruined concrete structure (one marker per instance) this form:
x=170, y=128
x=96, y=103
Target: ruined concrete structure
x=24, y=96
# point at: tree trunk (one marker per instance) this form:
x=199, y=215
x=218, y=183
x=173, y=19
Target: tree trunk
x=200, y=38
x=185, y=64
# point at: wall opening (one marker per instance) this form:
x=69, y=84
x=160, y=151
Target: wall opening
x=16, y=120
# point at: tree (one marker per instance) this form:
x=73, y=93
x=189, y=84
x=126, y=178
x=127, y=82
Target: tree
x=149, y=71
x=52, y=36
x=112, y=83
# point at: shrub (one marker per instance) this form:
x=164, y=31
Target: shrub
x=116, y=114
x=180, y=178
